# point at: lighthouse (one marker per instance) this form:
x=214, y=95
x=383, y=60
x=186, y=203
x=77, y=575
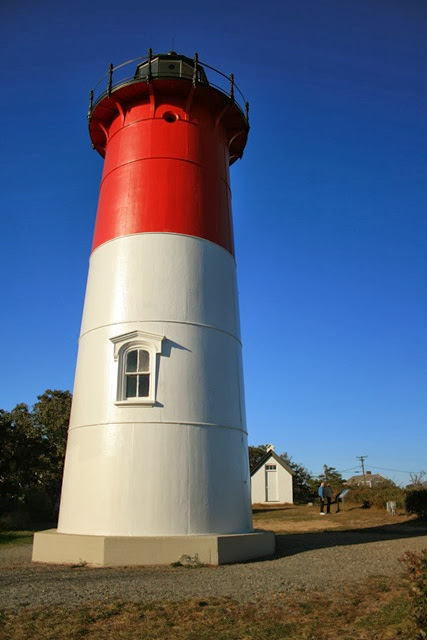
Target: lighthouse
x=156, y=464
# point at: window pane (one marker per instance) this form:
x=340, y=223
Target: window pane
x=144, y=386
x=131, y=361
x=144, y=361
x=131, y=386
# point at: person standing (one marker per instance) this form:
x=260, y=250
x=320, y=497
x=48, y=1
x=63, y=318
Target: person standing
x=328, y=496
x=321, y=494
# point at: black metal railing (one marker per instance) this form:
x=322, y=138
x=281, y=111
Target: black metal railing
x=118, y=77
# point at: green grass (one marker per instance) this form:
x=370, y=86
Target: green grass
x=16, y=537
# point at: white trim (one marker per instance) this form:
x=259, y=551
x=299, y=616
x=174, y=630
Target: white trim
x=141, y=337
x=126, y=342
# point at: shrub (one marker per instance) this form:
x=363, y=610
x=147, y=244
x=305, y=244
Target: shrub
x=378, y=496
x=416, y=577
x=17, y=520
x=416, y=502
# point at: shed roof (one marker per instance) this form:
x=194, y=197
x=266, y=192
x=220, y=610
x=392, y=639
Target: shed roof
x=271, y=454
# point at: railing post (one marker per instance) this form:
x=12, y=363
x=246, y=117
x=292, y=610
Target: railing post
x=150, y=56
x=232, y=86
x=89, y=113
x=110, y=79
x=196, y=61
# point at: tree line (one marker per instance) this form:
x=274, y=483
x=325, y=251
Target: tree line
x=32, y=449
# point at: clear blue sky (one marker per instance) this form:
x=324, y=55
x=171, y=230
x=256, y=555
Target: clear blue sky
x=329, y=207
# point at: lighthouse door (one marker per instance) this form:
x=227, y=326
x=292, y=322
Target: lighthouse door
x=271, y=489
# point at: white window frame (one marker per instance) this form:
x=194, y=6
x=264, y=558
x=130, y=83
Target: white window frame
x=129, y=342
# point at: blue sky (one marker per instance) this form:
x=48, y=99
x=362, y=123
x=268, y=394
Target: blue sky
x=329, y=207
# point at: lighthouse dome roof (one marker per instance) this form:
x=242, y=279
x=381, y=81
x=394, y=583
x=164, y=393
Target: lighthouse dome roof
x=171, y=65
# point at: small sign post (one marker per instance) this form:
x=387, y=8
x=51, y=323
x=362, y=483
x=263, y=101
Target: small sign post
x=340, y=498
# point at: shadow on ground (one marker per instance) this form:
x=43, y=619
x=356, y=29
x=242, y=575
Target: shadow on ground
x=268, y=509
x=293, y=543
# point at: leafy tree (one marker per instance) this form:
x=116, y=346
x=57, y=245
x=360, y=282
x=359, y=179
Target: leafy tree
x=32, y=446
x=304, y=485
x=51, y=415
x=6, y=455
x=256, y=454
x=333, y=477
x=20, y=449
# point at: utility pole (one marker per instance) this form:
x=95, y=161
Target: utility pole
x=362, y=458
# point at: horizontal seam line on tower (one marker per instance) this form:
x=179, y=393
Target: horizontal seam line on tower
x=135, y=122
x=193, y=324
x=169, y=422
x=197, y=164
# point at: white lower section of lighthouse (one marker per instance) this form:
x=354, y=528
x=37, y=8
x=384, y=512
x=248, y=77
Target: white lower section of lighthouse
x=177, y=465
x=156, y=467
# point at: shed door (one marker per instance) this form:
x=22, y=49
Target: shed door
x=271, y=489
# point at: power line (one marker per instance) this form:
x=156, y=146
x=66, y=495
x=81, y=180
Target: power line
x=319, y=473
x=395, y=470
x=315, y=473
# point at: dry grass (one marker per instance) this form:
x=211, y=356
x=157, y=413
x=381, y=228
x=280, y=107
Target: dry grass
x=376, y=611
x=302, y=519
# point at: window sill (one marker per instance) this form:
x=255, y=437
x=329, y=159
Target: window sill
x=147, y=402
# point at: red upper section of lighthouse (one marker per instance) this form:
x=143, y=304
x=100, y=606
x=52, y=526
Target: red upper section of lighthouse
x=168, y=137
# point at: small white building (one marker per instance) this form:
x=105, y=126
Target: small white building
x=271, y=480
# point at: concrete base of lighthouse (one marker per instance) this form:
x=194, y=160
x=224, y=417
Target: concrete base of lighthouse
x=112, y=551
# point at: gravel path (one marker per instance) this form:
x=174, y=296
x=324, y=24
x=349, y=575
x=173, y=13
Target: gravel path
x=304, y=561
